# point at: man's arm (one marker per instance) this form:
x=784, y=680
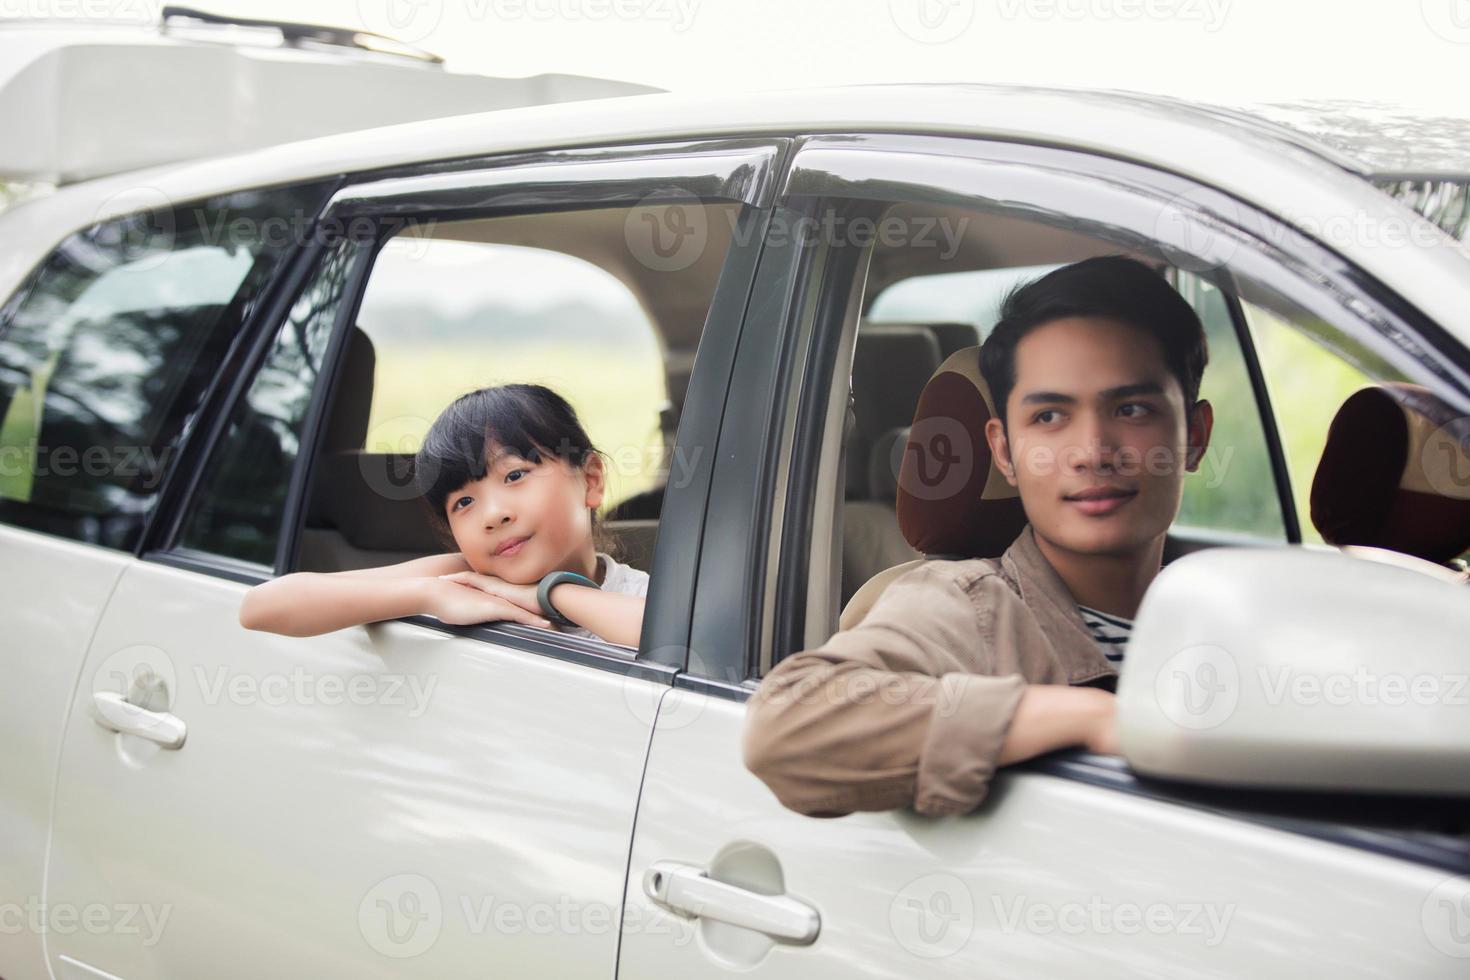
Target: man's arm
x=891, y=714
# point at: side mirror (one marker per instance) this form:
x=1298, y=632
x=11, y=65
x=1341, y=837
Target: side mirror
x=1291, y=667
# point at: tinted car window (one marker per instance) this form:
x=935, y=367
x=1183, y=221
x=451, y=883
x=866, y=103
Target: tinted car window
x=238, y=511
x=107, y=354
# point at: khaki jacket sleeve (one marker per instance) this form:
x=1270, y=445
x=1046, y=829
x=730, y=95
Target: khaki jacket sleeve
x=892, y=712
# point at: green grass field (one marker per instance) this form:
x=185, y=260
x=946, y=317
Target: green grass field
x=616, y=394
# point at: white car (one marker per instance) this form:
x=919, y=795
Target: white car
x=212, y=372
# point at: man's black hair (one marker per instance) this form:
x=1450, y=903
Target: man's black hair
x=1112, y=286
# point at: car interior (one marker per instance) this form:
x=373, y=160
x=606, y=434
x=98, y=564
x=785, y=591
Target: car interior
x=903, y=371
x=1374, y=491
x=362, y=511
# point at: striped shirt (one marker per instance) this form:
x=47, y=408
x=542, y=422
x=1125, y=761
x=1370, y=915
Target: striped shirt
x=1108, y=631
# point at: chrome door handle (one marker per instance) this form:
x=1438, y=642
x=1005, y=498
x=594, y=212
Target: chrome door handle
x=687, y=890
x=118, y=714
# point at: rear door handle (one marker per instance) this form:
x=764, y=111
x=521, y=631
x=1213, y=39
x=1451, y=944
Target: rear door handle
x=116, y=713
x=689, y=891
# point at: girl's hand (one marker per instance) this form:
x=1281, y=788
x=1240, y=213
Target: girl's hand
x=522, y=595
x=457, y=605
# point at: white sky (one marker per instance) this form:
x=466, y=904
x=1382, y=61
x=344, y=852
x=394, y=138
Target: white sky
x=1411, y=52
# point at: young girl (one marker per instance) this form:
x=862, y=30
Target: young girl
x=509, y=473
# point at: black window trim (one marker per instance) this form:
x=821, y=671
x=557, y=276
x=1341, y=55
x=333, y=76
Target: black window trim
x=200, y=433
x=1275, y=447
x=1224, y=282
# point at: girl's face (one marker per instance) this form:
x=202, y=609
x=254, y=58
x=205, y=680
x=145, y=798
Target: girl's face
x=526, y=519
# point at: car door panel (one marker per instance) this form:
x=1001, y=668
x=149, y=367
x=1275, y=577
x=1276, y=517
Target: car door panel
x=1052, y=877
x=391, y=801
x=66, y=586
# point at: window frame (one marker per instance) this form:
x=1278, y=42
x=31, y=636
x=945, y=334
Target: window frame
x=1265, y=412
x=376, y=205
x=1237, y=239
x=755, y=490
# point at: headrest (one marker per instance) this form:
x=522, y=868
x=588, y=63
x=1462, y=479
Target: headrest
x=1395, y=474
x=952, y=500
x=952, y=336
x=883, y=463
x=373, y=502
x=353, y=402
x=890, y=363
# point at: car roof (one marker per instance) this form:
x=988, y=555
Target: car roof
x=1257, y=161
x=242, y=83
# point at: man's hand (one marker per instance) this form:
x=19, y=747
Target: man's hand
x=463, y=604
x=1102, y=734
x=1055, y=716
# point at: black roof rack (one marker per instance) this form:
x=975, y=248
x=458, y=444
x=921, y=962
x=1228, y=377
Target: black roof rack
x=294, y=33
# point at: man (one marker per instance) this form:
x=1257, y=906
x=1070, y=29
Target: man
x=963, y=666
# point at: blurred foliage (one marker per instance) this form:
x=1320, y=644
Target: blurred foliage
x=617, y=394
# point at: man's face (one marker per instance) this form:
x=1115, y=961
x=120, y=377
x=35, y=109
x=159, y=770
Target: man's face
x=1097, y=436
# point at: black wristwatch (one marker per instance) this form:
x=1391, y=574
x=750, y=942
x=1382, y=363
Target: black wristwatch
x=543, y=593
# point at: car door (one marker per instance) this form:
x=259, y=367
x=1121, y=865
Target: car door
x=108, y=349
x=1073, y=866
x=404, y=798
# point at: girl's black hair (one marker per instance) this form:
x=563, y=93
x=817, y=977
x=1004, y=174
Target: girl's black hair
x=529, y=420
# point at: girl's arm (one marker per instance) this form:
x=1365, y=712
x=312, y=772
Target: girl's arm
x=312, y=603
x=614, y=616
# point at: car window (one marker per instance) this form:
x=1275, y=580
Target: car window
x=1234, y=490
x=561, y=299
x=106, y=356
x=964, y=297
x=444, y=317
x=933, y=292
x=1310, y=369
x=237, y=512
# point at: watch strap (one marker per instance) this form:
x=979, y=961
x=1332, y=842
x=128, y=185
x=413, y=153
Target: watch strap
x=551, y=580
